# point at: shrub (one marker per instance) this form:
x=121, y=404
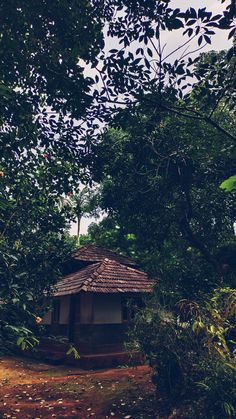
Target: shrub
x=191, y=350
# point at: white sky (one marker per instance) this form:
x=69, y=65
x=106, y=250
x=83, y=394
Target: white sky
x=173, y=39
x=84, y=225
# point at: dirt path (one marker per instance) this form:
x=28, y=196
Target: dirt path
x=29, y=389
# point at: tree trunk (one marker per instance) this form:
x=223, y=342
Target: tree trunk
x=78, y=228
x=193, y=240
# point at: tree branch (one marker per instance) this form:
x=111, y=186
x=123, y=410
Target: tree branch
x=190, y=113
x=189, y=234
x=201, y=117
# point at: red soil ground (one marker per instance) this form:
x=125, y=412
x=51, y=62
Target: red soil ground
x=30, y=389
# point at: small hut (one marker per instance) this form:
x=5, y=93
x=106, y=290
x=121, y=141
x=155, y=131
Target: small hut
x=90, y=303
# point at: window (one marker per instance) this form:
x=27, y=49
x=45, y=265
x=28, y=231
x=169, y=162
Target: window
x=56, y=311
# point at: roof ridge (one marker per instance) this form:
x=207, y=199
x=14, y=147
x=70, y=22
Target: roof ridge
x=83, y=248
x=130, y=268
x=101, y=268
x=94, y=274
x=92, y=267
x=108, y=250
x=100, y=250
x=125, y=266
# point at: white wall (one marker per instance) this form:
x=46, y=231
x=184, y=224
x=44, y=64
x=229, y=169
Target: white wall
x=100, y=308
x=94, y=309
x=64, y=309
x=107, y=308
x=64, y=312
x=86, y=308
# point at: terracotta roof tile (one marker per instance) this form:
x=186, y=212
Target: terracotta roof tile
x=94, y=253
x=108, y=276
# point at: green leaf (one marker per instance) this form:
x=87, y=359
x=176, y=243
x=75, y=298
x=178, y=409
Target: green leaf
x=229, y=184
x=203, y=385
x=73, y=351
x=20, y=340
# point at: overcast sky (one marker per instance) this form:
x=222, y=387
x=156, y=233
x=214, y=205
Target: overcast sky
x=173, y=39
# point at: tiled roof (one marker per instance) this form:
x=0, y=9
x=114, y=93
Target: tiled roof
x=93, y=253
x=107, y=276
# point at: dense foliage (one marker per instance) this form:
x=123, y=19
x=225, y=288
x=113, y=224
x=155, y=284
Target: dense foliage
x=146, y=56
x=42, y=88
x=161, y=174
x=161, y=180
x=191, y=351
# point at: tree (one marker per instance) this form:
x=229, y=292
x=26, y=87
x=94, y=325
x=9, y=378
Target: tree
x=160, y=172
x=141, y=62
x=161, y=175
x=82, y=202
x=43, y=47
x=112, y=236
x=40, y=48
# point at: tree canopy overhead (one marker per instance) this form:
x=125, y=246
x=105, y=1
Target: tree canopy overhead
x=40, y=45
x=140, y=62
x=178, y=104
